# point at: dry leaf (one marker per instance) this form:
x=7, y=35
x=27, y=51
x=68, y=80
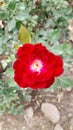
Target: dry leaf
x=16, y=46
x=2, y=3
x=71, y=36
x=35, y=1
x=70, y=27
x=24, y=35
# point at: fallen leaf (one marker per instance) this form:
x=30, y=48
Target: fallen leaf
x=24, y=35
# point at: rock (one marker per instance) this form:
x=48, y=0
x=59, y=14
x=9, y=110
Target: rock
x=58, y=127
x=29, y=112
x=71, y=124
x=51, y=112
x=1, y=123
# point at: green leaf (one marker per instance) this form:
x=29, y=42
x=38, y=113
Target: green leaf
x=67, y=49
x=21, y=6
x=16, y=110
x=12, y=5
x=21, y=16
x=24, y=35
x=56, y=49
x=27, y=98
x=11, y=24
x=55, y=85
x=1, y=31
x=68, y=10
x=18, y=24
x=54, y=35
x=12, y=83
x=65, y=82
x=3, y=15
x=9, y=72
x=66, y=46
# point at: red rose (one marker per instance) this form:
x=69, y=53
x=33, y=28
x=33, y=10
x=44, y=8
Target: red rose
x=36, y=67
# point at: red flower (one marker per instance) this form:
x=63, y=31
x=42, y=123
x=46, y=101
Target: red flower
x=36, y=67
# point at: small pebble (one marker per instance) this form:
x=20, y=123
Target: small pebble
x=30, y=112
x=58, y=127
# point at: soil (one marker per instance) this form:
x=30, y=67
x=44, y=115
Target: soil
x=62, y=99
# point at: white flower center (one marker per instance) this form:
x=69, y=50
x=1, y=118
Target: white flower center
x=36, y=66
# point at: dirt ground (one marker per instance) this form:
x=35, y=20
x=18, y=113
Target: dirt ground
x=62, y=99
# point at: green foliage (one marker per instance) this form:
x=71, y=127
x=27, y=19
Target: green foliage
x=47, y=22
x=11, y=24
x=54, y=86
x=66, y=82
x=11, y=5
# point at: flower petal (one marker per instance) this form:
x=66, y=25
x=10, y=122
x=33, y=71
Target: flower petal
x=58, y=71
x=38, y=85
x=20, y=82
x=24, y=51
x=50, y=82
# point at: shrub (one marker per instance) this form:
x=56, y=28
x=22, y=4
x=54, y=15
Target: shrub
x=47, y=22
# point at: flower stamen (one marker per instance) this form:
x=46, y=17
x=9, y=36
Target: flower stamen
x=36, y=66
